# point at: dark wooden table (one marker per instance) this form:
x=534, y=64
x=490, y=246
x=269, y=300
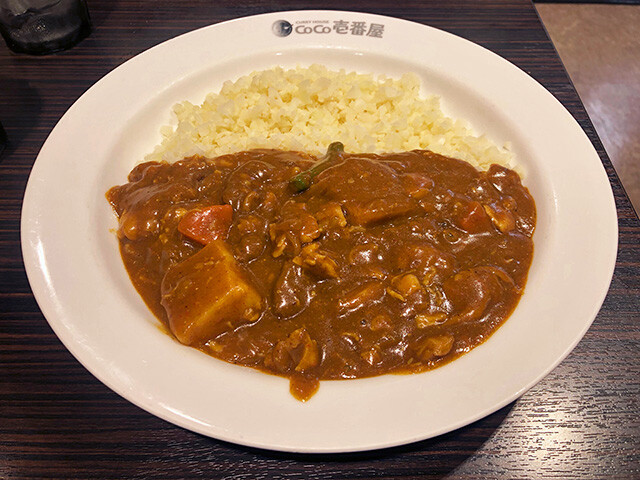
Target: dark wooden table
x=58, y=421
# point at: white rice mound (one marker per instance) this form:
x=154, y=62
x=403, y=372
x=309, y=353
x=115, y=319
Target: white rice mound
x=307, y=108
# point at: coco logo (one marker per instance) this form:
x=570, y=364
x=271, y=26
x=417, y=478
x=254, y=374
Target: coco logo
x=281, y=28
x=315, y=29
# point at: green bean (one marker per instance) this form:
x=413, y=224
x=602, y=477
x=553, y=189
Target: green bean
x=303, y=180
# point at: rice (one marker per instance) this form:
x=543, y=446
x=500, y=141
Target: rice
x=307, y=108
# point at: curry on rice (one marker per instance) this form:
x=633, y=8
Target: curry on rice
x=350, y=266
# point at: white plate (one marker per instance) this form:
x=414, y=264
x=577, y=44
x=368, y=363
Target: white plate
x=77, y=276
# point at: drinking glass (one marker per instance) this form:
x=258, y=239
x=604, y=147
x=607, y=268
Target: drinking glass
x=39, y=27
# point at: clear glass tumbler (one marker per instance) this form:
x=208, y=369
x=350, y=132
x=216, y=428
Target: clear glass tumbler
x=39, y=27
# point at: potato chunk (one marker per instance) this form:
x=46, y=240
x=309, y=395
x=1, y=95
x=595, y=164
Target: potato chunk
x=208, y=294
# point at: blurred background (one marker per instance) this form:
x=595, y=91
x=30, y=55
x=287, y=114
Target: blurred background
x=599, y=44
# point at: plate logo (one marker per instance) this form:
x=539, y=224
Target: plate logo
x=283, y=28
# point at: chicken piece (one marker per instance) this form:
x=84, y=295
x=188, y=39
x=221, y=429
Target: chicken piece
x=331, y=216
x=381, y=322
x=296, y=227
x=501, y=218
x=242, y=186
x=297, y=352
x=404, y=285
x=250, y=224
x=253, y=238
x=425, y=320
x=429, y=263
x=369, y=191
x=317, y=262
x=140, y=205
x=473, y=292
x=434, y=347
x=208, y=294
x=366, y=294
x=292, y=292
x=372, y=356
x=417, y=185
x=519, y=204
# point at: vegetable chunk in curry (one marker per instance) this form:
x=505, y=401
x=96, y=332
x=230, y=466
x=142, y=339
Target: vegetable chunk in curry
x=349, y=266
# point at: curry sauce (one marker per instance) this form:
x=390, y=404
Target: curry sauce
x=377, y=264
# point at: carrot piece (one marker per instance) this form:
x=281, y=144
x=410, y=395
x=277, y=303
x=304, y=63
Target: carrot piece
x=206, y=224
x=475, y=219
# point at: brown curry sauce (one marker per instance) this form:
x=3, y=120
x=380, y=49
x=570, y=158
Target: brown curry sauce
x=394, y=263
